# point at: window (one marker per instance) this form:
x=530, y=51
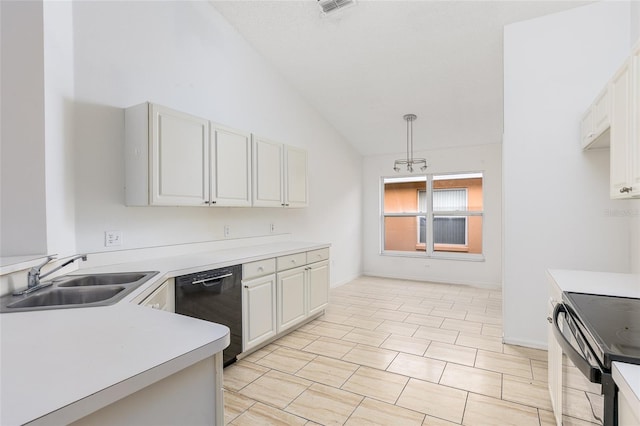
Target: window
x=433, y=214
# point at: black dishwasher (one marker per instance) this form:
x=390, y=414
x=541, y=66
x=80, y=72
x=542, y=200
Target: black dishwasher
x=215, y=296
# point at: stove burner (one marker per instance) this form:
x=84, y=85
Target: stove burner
x=629, y=341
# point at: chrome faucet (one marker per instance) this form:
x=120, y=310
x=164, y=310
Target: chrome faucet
x=33, y=278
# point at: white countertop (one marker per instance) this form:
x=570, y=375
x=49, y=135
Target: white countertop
x=609, y=283
x=626, y=376
x=174, y=266
x=67, y=363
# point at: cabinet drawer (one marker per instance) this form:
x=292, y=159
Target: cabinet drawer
x=259, y=268
x=317, y=255
x=291, y=261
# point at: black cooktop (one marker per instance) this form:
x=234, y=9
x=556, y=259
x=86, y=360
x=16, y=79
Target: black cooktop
x=611, y=325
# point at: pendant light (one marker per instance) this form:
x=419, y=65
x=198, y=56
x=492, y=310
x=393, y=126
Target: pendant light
x=410, y=161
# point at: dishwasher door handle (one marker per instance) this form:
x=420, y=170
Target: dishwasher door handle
x=208, y=280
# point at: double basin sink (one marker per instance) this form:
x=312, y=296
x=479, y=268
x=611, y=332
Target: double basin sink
x=78, y=291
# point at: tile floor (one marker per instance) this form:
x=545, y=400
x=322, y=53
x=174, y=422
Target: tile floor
x=394, y=352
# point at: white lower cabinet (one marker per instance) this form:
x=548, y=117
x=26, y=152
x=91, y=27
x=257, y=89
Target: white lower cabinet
x=191, y=396
x=258, y=310
x=554, y=355
x=302, y=292
x=163, y=297
x=318, y=279
x=628, y=408
x=291, y=306
x=282, y=293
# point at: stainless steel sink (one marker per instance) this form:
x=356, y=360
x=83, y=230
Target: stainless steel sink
x=59, y=296
x=102, y=279
x=77, y=291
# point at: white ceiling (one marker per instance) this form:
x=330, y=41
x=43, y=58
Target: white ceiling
x=368, y=65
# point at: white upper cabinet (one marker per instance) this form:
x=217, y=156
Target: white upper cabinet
x=625, y=130
x=634, y=150
x=620, y=130
x=596, y=121
x=280, y=176
x=613, y=120
x=166, y=157
x=230, y=167
x=267, y=173
x=177, y=159
x=296, y=180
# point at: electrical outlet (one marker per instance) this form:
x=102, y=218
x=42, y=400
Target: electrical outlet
x=227, y=231
x=272, y=228
x=112, y=238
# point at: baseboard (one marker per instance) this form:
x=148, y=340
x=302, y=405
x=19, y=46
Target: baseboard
x=526, y=343
x=487, y=285
x=343, y=282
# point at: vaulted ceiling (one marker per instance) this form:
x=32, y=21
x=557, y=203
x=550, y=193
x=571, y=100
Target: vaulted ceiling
x=366, y=66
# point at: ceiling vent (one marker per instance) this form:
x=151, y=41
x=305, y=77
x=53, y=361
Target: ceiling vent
x=332, y=6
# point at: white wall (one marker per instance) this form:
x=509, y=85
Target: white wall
x=635, y=22
x=485, y=158
x=557, y=211
x=58, y=126
x=22, y=168
x=186, y=56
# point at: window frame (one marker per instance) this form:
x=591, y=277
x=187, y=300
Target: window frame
x=429, y=251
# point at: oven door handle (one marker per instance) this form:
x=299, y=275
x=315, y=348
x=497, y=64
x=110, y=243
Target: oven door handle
x=592, y=373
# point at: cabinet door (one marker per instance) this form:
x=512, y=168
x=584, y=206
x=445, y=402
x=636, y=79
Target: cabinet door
x=291, y=305
x=587, y=134
x=296, y=185
x=635, y=114
x=163, y=297
x=620, y=131
x=230, y=167
x=179, y=158
x=554, y=355
x=258, y=311
x=601, y=112
x=318, y=282
x=267, y=173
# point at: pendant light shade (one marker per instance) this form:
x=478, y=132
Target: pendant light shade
x=410, y=161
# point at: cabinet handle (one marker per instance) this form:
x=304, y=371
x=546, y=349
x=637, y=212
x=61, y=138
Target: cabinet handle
x=155, y=306
x=293, y=261
x=550, y=320
x=625, y=189
x=213, y=202
x=260, y=269
x=207, y=202
x=591, y=135
x=246, y=286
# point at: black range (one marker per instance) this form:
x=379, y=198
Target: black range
x=610, y=324
x=603, y=329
